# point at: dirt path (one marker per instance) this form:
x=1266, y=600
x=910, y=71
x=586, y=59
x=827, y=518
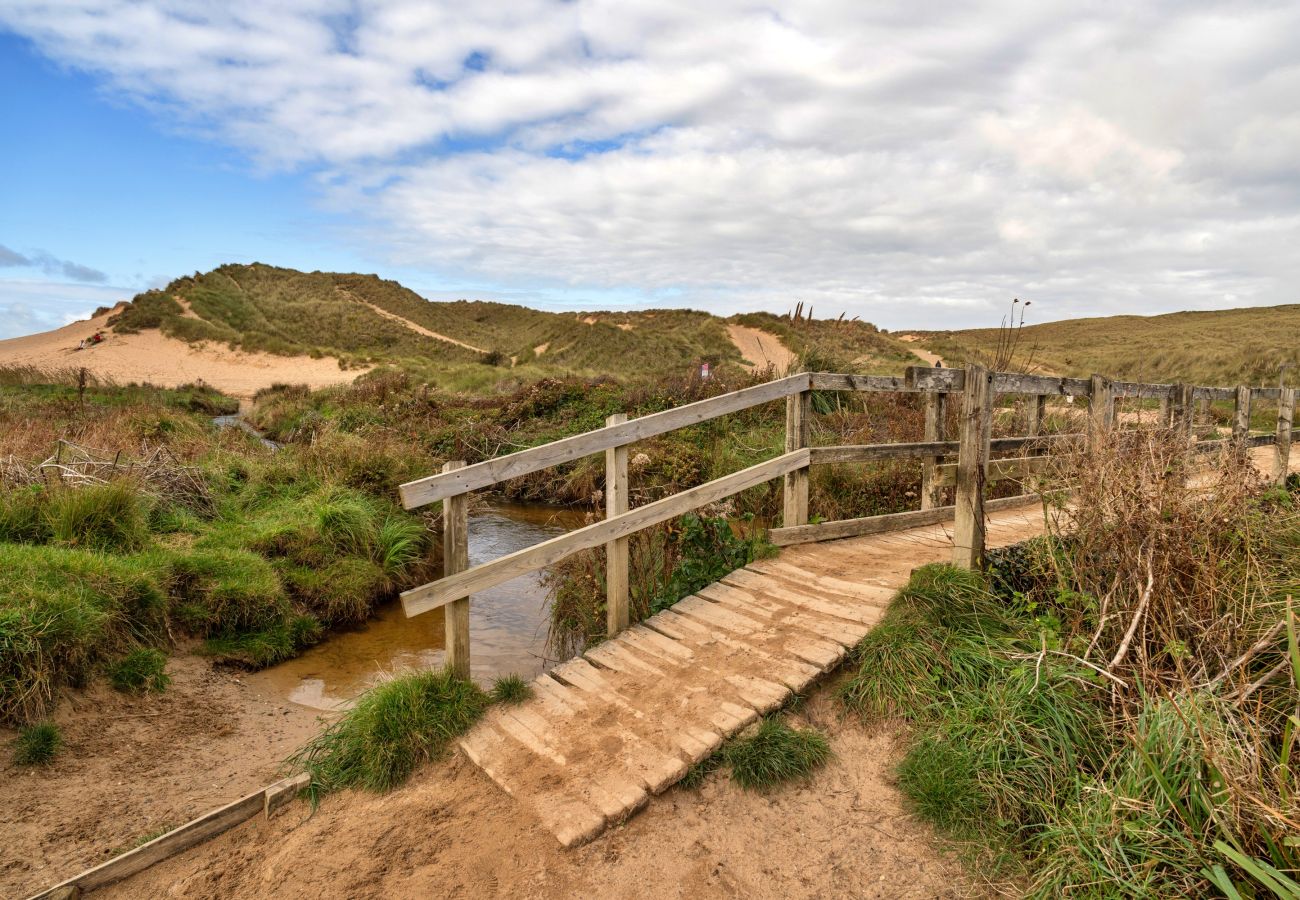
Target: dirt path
x=418, y=329
x=930, y=359
x=761, y=350
x=132, y=766
x=151, y=357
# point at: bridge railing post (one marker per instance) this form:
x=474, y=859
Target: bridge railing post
x=1101, y=409
x=617, y=601
x=972, y=465
x=798, y=431
x=1241, y=417
x=1285, y=413
x=455, y=558
x=1183, y=410
x=936, y=409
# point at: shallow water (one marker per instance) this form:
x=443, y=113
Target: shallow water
x=507, y=623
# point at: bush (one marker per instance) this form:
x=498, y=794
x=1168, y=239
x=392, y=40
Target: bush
x=389, y=731
x=511, y=689
x=139, y=671
x=37, y=745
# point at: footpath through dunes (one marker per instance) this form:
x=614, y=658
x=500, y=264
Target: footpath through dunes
x=153, y=358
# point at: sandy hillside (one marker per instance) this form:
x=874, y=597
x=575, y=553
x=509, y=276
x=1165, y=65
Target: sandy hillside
x=761, y=349
x=151, y=357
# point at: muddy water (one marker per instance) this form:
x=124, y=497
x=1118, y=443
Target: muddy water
x=507, y=623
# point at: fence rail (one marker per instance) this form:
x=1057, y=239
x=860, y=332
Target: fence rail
x=967, y=475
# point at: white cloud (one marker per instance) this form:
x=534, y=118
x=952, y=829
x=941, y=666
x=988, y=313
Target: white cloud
x=912, y=164
x=27, y=307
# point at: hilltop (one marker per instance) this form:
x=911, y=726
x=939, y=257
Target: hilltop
x=1231, y=346
x=242, y=327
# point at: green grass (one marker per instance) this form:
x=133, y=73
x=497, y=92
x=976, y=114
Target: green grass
x=37, y=745
x=775, y=754
x=389, y=731
x=511, y=689
x=1223, y=347
x=140, y=671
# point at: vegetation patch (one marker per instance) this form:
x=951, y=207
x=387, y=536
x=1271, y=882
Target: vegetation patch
x=140, y=671
x=37, y=745
x=389, y=731
x=511, y=689
x=775, y=754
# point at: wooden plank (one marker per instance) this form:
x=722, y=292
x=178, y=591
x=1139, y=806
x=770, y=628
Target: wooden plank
x=928, y=378
x=936, y=406
x=828, y=381
x=1206, y=394
x=953, y=380
x=455, y=558
x=489, y=472
x=616, y=551
x=975, y=430
x=1266, y=393
x=161, y=848
x=998, y=469
x=856, y=453
x=1142, y=391
x=481, y=577
x=798, y=429
x=847, y=528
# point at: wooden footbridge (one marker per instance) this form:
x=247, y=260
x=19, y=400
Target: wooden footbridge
x=607, y=730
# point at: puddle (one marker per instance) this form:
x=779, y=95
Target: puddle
x=507, y=623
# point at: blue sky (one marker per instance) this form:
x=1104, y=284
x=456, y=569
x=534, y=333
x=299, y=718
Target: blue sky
x=914, y=167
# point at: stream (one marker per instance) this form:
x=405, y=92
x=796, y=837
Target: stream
x=507, y=625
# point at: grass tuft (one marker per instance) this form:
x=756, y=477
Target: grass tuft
x=775, y=754
x=140, y=671
x=37, y=745
x=511, y=689
x=390, y=730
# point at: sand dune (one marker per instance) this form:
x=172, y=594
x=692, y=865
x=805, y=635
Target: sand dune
x=761, y=349
x=154, y=358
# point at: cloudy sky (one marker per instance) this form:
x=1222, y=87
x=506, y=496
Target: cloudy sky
x=914, y=164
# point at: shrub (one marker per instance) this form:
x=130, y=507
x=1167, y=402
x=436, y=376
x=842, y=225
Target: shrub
x=775, y=754
x=37, y=745
x=389, y=731
x=224, y=591
x=139, y=671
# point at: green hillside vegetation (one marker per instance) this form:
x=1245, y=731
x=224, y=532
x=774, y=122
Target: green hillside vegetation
x=263, y=308
x=1224, y=347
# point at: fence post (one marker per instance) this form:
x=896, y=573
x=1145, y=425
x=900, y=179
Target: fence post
x=1184, y=409
x=972, y=461
x=616, y=551
x=1101, y=408
x=936, y=408
x=1285, y=411
x=798, y=425
x=1241, y=421
x=455, y=558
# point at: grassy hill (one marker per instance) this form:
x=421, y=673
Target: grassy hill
x=1232, y=346
x=364, y=319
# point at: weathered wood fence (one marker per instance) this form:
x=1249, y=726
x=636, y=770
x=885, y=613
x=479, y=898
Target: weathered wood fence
x=976, y=389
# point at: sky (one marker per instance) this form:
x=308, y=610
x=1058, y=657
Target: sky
x=914, y=164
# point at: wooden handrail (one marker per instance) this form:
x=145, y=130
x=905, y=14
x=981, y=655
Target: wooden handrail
x=489, y=574
x=423, y=491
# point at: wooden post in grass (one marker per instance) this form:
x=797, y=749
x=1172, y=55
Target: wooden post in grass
x=1285, y=411
x=1101, y=409
x=1184, y=409
x=798, y=430
x=1036, y=412
x=616, y=551
x=936, y=408
x=1241, y=421
x=455, y=558
x=975, y=431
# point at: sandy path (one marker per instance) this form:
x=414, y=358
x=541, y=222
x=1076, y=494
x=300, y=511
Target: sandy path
x=134, y=765
x=930, y=359
x=151, y=357
x=760, y=349
x=418, y=329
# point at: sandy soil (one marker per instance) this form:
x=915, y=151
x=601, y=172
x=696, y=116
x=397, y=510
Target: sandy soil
x=931, y=359
x=132, y=766
x=761, y=349
x=453, y=833
x=151, y=357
